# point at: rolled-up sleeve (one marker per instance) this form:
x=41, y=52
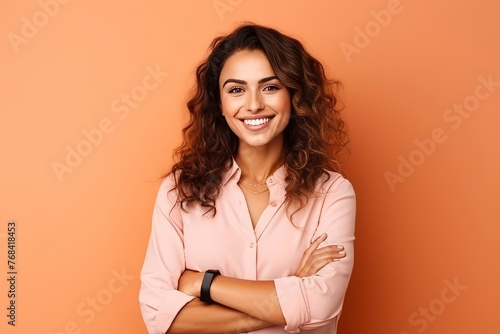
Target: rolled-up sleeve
x=313, y=301
x=159, y=299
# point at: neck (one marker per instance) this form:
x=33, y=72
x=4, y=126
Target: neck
x=257, y=163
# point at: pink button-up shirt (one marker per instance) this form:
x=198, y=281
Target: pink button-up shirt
x=272, y=251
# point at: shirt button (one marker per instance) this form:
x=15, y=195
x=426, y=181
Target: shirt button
x=273, y=204
x=251, y=245
x=270, y=180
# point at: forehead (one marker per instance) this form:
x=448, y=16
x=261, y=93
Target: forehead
x=246, y=65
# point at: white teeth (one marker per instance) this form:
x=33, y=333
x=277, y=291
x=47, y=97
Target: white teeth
x=255, y=122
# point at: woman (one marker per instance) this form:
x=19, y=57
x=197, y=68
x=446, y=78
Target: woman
x=253, y=228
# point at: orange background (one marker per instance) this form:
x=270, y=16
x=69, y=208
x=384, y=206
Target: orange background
x=436, y=225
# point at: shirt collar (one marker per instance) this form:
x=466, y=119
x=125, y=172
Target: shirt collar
x=235, y=172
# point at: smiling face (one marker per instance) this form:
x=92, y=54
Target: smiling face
x=255, y=103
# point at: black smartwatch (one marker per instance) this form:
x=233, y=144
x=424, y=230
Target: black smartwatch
x=205, y=285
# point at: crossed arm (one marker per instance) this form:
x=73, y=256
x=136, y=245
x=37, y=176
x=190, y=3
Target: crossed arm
x=243, y=305
x=311, y=298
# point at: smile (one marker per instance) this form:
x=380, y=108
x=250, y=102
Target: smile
x=256, y=122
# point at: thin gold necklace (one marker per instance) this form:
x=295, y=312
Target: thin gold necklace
x=253, y=192
x=251, y=184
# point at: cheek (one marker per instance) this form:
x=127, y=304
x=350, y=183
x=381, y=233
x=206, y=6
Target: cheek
x=286, y=113
x=285, y=107
x=229, y=106
x=284, y=103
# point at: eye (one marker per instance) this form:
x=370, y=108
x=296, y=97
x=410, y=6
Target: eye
x=235, y=90
x=271, y=88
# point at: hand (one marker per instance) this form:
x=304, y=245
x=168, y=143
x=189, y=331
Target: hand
x=190, y=282
x=314, y=259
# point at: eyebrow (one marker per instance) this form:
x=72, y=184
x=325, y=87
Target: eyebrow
x=243, y=82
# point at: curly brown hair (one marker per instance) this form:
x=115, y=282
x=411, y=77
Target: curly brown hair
x=312, y=139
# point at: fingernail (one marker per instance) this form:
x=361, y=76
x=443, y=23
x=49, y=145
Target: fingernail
x=342, y=252
x=340, y=246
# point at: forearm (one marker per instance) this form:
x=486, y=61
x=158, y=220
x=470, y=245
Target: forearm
x=199, y=317
x=255, y=298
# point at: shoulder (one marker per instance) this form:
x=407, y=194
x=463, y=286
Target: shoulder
x=167, y=195
x=334, y=183
x=167, y=184
x=338, y=201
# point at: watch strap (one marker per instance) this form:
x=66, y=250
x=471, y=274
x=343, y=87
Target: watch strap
x=205, y=285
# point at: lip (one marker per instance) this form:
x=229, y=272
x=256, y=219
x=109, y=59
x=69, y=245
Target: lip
x=256, y=117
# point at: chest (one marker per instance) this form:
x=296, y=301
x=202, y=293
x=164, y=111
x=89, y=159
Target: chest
x=256, y=203
x=234, y=243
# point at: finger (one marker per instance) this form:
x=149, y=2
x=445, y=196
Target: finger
x=338, y=250
x=320, y=258
x=315, y=244
x=329, y=250
x=313, y=267
x=324, y=256
x=317, y=262
x=341, y=251
x=307, y=253
x=313, y=247
x=320, y=239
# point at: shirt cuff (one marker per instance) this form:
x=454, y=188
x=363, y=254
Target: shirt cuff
x=293, y=302
x=160, y=320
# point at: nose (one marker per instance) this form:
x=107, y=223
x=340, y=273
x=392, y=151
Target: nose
x=254, y=102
